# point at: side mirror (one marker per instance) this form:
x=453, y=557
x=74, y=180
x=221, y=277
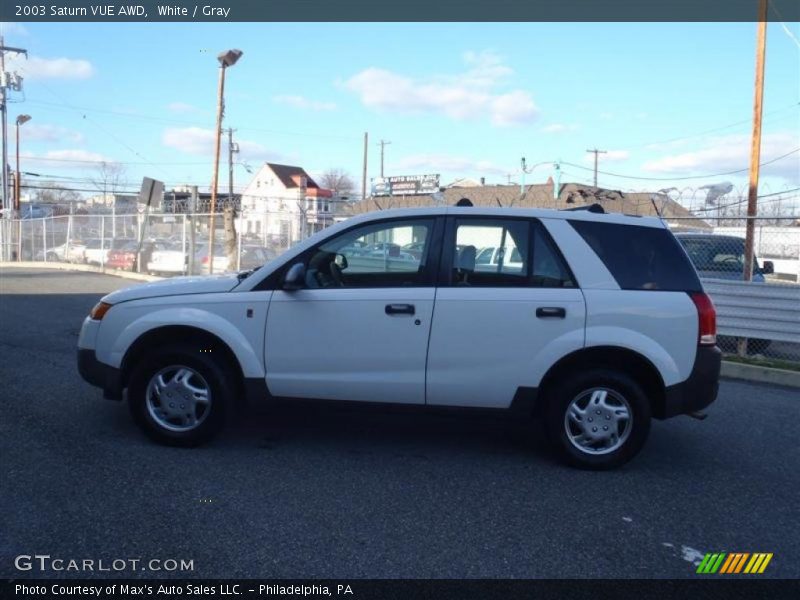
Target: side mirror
x=768, y=267
x=295, y=278
x=341, y=261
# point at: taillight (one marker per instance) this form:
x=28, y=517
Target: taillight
x=706, y=318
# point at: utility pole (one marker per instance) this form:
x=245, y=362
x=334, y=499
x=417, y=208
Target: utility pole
x=755, y=148
x=215, y=175
x=596, y=152
x=193, y=212
x=231, y=243
x=383, y=144
x=15, y=83
x=233, y=148
x=364, y=172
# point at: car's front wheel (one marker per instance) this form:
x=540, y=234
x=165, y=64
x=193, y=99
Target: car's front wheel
x=179, y=395
x=598, y=419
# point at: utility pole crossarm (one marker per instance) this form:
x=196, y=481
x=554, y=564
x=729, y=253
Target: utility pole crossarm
x=596, y=152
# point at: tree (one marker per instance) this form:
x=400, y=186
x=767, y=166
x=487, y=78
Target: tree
x=49, y=192
x=337, y=180
x=109, y=177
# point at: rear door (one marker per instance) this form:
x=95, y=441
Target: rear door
x=499, y=324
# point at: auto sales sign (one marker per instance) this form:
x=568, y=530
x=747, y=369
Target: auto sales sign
x=405, y=185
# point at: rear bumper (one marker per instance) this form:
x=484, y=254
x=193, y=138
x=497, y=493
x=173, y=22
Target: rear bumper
x=100, y=374
x=700, y=389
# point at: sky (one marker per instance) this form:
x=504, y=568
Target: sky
x=667, y=101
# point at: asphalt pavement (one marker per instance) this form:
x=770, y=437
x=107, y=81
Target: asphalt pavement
x=337, y=492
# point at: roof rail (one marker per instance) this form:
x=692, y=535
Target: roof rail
x=593, y=208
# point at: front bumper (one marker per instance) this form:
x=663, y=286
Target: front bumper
x=100, y=374
x=701, y=387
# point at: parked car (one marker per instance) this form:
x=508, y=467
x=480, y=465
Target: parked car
x=125, y=257
x=76, y=251
x=35, y=212
x=490, y=256
x=54, y=254
x=415, y=249
x=97, y=250
x=721, y=256
x=623, y=334
x=171, y=259
x=254, y=256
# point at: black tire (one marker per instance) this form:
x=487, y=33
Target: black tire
x=214, y=373
x=558, y=398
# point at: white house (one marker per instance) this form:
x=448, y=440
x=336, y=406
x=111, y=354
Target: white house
x=282, y=204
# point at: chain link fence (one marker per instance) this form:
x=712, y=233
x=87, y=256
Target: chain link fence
x=179, y=244
x=166, y=244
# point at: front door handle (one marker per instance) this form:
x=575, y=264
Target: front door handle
x=399, y=309
x=545, y=312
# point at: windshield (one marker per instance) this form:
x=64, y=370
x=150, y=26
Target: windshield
x=723, y=255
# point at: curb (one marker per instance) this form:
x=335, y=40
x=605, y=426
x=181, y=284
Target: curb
x=76, y=267
x=759, y=374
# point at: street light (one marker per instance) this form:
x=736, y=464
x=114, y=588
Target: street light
x=21, y=120
x=226, y=59
x=525, y=169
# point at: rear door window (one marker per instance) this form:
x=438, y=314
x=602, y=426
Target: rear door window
x=639, y=257
x=505, y=253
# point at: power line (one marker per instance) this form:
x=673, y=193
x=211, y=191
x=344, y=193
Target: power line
x=769, y=162
x=166, y=120
x=101, y=128
x=714, y=130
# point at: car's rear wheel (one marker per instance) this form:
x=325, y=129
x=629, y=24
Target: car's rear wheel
x=598, y=419
x=180, y=396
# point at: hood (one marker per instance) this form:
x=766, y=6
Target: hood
x=175, y=286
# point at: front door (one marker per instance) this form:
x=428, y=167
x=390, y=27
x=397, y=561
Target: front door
x=359, y=329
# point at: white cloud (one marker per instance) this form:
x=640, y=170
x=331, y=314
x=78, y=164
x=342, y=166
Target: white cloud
x=732, y=153
x=560, y=128
x=182, y=107
x=191, y=140
x=435, y=163
x=468, y=95
x=76, y=155
x=7, y=29
x=304, y=103
x=64, y=159
x=199, y=141
x=43, y=132
x=37, y=68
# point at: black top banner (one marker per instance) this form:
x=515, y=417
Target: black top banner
x=404, y=10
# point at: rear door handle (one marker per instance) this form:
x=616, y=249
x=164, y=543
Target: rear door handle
x=545, y=312
x=399, y=309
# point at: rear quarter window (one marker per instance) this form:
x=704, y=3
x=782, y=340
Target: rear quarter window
x=640, y=258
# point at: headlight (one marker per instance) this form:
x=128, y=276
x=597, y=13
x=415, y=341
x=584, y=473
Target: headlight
x=99, y=311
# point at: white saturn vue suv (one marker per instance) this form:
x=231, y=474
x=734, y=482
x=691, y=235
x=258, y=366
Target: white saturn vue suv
x=594, y=322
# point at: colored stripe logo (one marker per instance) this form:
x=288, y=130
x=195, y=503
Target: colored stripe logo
x=734, y=562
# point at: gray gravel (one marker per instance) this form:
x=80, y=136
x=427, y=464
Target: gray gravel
x=337, y=492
